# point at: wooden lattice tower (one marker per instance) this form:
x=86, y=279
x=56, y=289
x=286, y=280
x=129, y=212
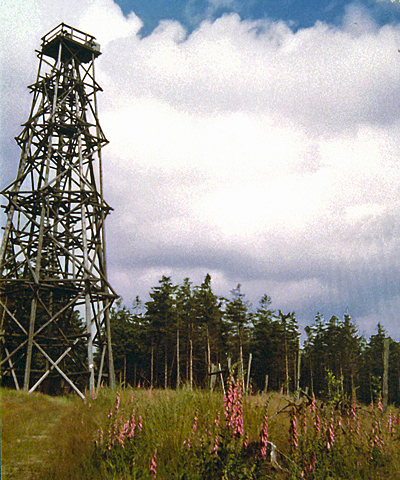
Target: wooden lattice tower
x=52, y=258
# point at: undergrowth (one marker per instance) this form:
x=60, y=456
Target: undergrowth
x=197, y=435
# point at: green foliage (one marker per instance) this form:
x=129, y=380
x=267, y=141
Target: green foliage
x=335, y=387
x=275, y=347
x=332, y=350
x=371, y=369
x=128, y=333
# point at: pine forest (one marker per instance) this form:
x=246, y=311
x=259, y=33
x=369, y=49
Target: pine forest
x=187, y=335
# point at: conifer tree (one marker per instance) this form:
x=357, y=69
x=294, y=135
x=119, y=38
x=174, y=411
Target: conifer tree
x=238, y=315
x=162, y=316
x=209, y=323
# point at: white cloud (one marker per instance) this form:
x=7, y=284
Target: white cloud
x=263, y=156
x=116, y=26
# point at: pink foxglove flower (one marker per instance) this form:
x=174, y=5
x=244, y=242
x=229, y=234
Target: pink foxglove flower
x=216, y=421
x=331, y=436
x=153, y=465
x=117, y=402
x=293, y=430
x=264, y=436
x=140, y=423
x=215, y=449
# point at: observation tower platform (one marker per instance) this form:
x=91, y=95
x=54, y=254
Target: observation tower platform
x=76, y=43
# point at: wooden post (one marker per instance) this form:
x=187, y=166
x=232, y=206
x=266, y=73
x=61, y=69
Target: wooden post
x=213, y=376
x=134, y=375
x=208, y=358
x=222, y=378
x=248, y=373
x=298, y=367
x=178, y=369
x=124, y=370
x=152, y=365
x=266, y=384
x=311, y=377
x=191, y=364
x=385, y=381
x=353, y=390
x=165, y=368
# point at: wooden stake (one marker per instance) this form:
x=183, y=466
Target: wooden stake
x=385, y=381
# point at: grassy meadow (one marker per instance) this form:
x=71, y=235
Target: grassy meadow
x=146, y=434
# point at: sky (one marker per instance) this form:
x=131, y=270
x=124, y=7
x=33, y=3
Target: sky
x=253, y=140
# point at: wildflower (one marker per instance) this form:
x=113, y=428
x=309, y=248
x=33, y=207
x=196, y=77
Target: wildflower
x=117, y=402
x=376, y=439
x=238, y=431
x=216, y=421
x=122, y=433
x=313, y=404
x=340, y=420
x=331, y=436
x=215, y=449
x=153, y=465
x=304, y=423
x=380, y=406
x=264, y=436
x=99, y=437
x=353, y=411
x=317, y=424
x=132, y=426
x=389, y=423
x=313, y=463
x=293, y=429
x=309, y=468
x=140, y=423
x=113, y=433
x=110, y=438
x=234, y=408
x=194, y=428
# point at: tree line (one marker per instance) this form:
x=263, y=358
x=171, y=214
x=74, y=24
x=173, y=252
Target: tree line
x=186, y=334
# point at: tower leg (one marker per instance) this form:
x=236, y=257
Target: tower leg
x=30, y=344
x=111, y=371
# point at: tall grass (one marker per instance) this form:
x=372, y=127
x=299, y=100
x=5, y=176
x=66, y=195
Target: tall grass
x=145, y=434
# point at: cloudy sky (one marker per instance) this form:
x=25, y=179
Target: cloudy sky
x=255, y=140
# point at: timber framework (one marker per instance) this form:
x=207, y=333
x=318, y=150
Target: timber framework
x=55, y=298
